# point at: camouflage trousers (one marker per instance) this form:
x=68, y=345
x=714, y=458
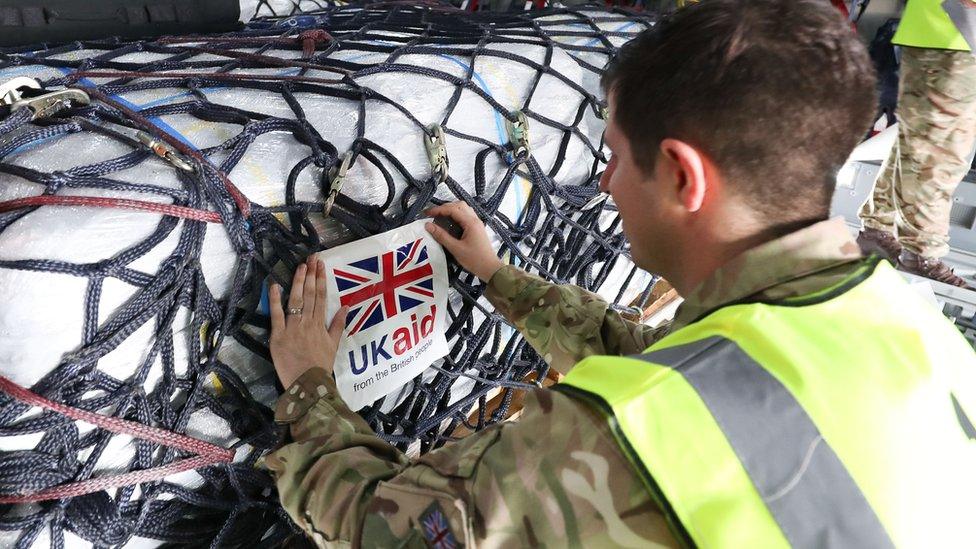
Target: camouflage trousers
x=936, y=132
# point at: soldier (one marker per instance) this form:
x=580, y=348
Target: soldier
x=803, y=395
x=906, y=220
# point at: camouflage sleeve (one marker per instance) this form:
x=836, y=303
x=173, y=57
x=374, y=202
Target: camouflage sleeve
x=555, y=478
x=565, y=323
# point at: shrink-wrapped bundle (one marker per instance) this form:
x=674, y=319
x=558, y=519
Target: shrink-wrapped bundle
x=138, y=233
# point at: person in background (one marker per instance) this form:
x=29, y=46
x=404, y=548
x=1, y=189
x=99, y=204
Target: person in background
x=803, y=396
x=906, y=219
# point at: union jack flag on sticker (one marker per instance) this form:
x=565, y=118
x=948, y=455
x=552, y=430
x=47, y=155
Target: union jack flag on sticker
x=437, y=531
x=395, y=286
x=380, y=286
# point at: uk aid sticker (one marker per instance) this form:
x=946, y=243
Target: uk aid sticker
x=395, y=285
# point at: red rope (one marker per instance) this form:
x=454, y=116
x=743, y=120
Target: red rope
x=311, y=38
x=115, y=203
x=243, y=204
x=308, y=40
x=207, y=453
x=207, y=75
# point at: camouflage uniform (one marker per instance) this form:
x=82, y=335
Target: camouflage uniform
x=936, y=133
x=556, y=477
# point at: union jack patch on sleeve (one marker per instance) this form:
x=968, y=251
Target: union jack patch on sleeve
x=436, y=528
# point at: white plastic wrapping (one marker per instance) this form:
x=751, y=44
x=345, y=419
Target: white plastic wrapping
x=83, y=235
x=251, y=9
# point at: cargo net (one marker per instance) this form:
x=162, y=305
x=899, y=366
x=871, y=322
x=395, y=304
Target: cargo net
x=139, y=230
x=254, y=9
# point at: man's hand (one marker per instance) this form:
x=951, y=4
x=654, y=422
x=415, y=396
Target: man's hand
x=473, y=250
x=971, y=4
x=299, y=340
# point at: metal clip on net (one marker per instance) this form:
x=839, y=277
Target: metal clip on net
x=164, y=151
x=599, y=199
x=337, y=176
x=518, y=134
x=23, y=92
x=437, y=152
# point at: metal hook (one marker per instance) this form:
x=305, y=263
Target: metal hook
x=336, y=177
x=437, y=152
x=11, y=91
x=165, y=151
x=518, y=133
x=42, y=105
x=597, y=199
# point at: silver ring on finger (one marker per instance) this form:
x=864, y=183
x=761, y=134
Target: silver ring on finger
x=295, y=310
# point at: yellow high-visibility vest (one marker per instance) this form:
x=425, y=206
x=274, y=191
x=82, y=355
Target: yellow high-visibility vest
x=924, y=24
x=840, y=419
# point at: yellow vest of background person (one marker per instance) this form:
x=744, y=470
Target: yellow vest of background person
x=830, y=420
x=924, y=24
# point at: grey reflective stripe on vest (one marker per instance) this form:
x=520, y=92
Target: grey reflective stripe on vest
x=807, y=489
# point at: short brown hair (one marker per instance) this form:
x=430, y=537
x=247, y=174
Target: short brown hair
x=776, y=92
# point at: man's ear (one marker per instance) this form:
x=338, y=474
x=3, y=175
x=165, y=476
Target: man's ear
x=686, y=165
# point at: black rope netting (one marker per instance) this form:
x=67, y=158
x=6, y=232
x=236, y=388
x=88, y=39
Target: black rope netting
x=254, y=9
x=232, y=146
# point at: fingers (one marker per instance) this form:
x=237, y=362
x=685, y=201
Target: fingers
x=277, y=313
x=320, y=304
x=338, y=323
x=308, y=288
x=297, y=287
x=442, y=237
x=463, y=215
x=459, y=211
x=443, y=209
